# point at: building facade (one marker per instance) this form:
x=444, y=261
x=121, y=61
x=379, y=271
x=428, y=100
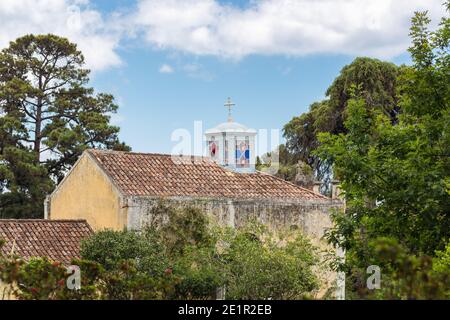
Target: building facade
x=117, y=190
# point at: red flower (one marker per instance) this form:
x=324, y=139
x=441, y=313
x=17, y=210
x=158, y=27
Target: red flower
x=34, y=290
x=61, y=282
x=168, y=271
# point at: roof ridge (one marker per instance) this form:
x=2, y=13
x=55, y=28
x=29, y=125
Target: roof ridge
x=42, y=220
x=295, y=185
x=144, y=153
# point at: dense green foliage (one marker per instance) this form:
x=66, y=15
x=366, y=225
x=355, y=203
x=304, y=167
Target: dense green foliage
x=258, y=268
x=110, y=249
x=48, y=116
x=376, y=82
x=41, y=279
x=395, y=174
x=250, y=262
x=403, y=275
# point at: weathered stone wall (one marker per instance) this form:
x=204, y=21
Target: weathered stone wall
x=5, y=292
x=312, y=217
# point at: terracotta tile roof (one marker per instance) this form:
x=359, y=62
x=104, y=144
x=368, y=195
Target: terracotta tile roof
x=146, y=174
x=58, y=240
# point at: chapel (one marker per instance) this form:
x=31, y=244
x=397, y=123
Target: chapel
x=116, y=190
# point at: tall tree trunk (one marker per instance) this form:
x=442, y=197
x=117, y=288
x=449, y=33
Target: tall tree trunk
x=37, y=132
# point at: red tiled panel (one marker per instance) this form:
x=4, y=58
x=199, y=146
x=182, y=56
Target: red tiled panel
x=59, y=240
x=146, y=174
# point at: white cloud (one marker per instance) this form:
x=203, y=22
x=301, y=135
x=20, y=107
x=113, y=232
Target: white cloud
x=95, y=37
x=289, y=27
x=165, y=68
x=206, y=27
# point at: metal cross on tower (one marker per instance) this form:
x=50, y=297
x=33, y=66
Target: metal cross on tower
x=229, y=105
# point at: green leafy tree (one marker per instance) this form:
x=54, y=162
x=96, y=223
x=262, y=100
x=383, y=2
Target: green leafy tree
x=407, y=276
x=113, y=248
x=199, y=273
x=23, y=184
x=48, y=117
x=257, y=267
x=42, y=279
x=376, y=82
x=395, y=174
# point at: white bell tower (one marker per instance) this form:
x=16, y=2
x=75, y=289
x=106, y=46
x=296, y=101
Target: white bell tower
x=232, y=145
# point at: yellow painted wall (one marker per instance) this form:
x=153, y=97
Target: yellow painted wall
x=5, y=292
x=87, y=193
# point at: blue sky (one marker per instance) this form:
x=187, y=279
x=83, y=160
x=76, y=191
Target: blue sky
x=170, y=63
x=268, y=92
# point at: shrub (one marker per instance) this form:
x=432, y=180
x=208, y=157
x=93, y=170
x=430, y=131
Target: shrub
x=405, y=275
x=258, y=267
